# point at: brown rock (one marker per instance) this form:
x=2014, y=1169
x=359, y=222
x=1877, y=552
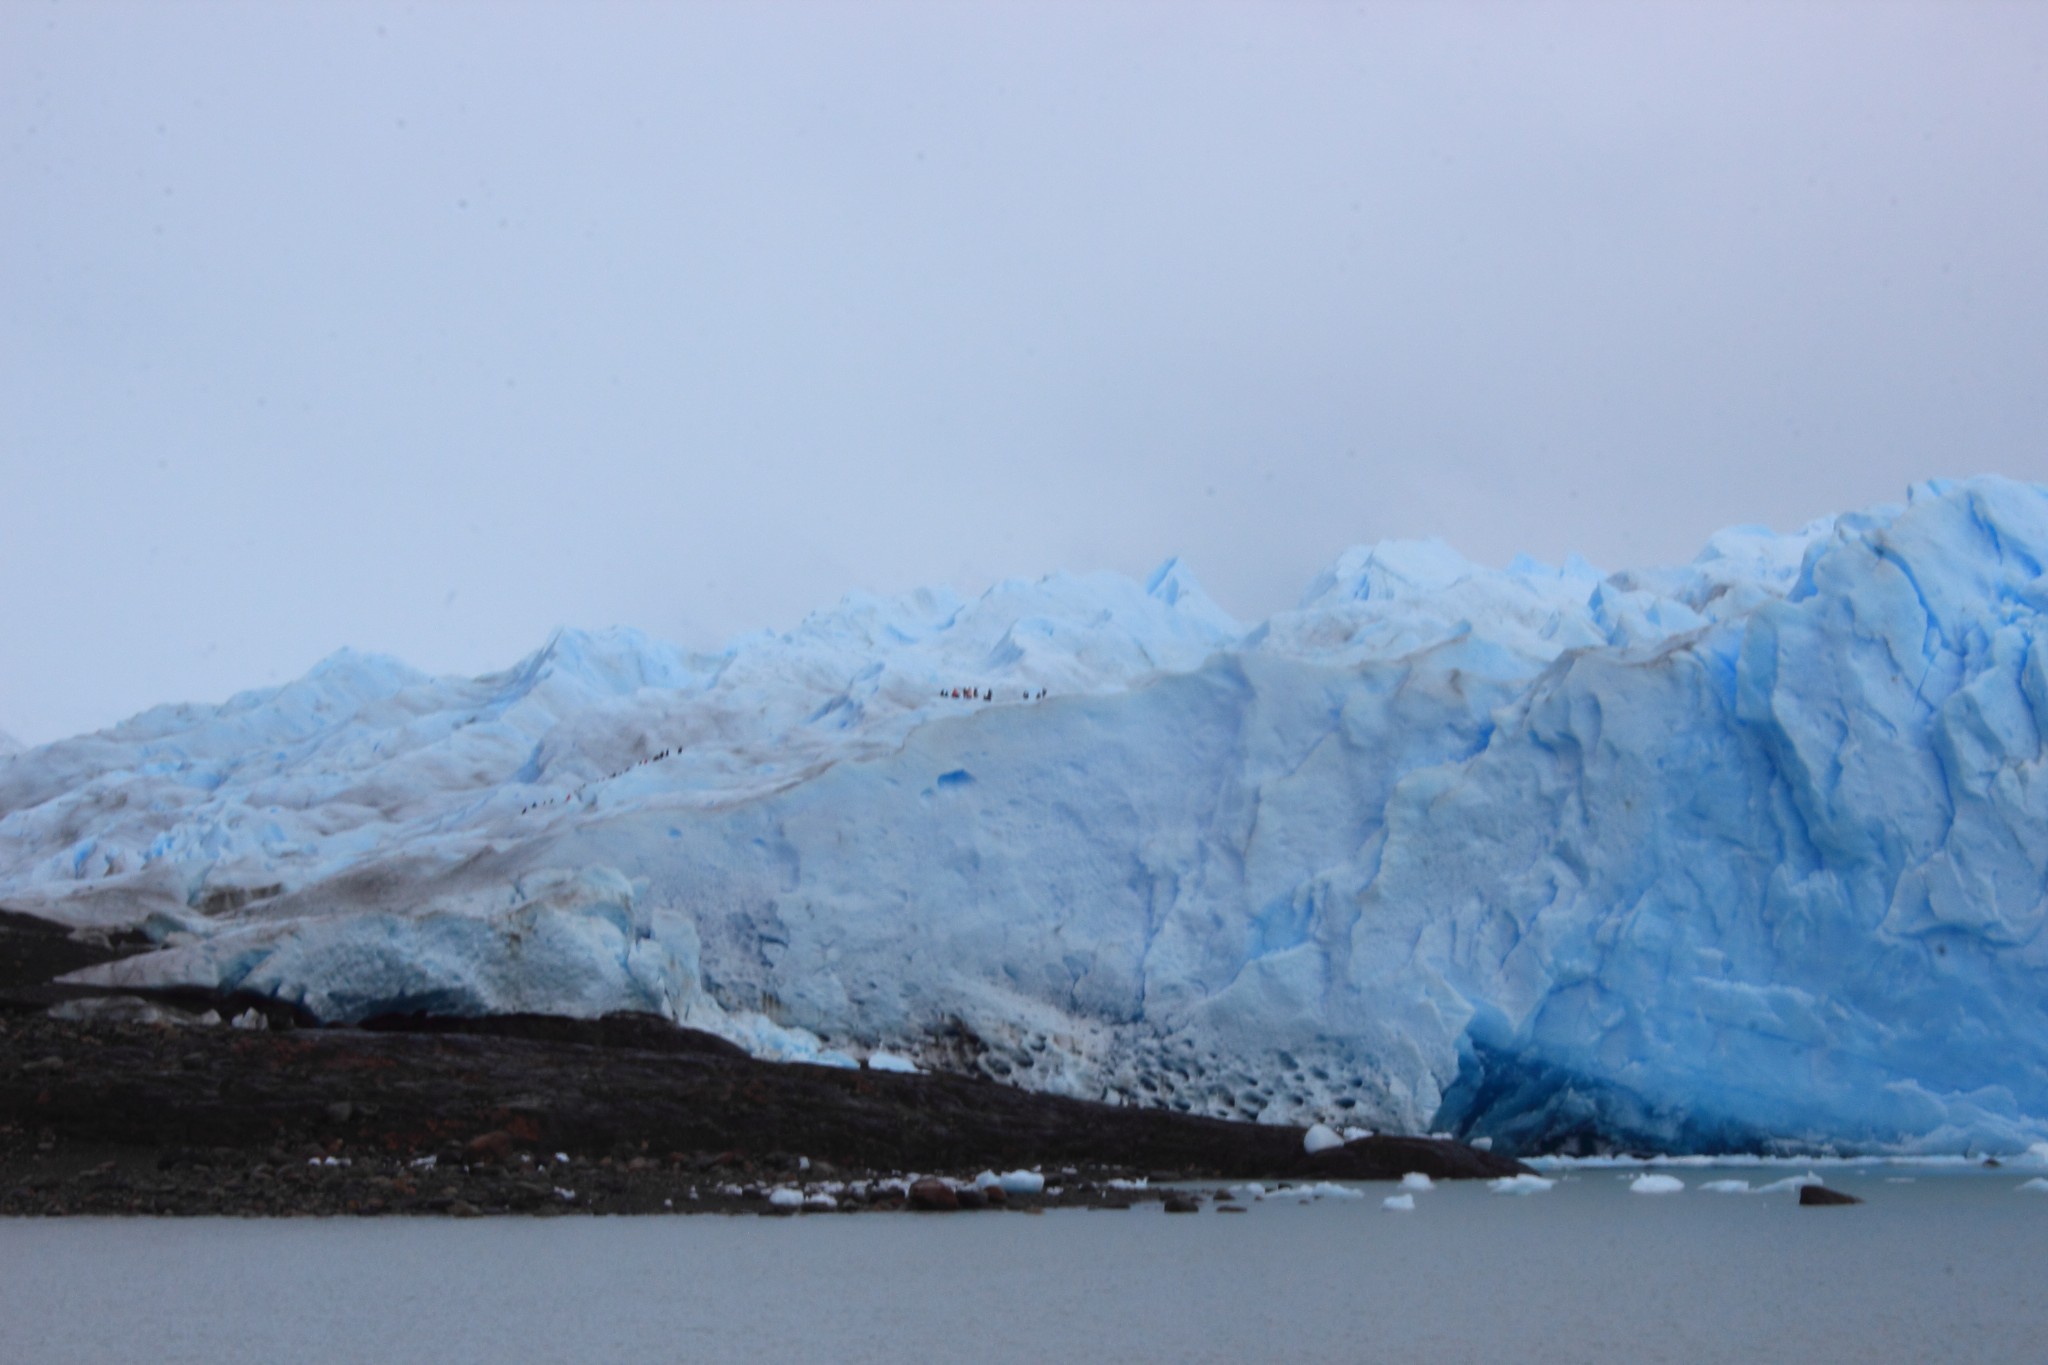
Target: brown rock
x=971, y=1197
x=996, y=1196
x=1180, y=1203
x=1812, y=1196
x=495, y=1145
x=933, y=1196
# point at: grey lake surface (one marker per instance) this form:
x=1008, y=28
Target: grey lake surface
x=1933, y=1267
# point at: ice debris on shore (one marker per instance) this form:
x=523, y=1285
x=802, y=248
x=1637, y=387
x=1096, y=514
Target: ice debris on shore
x=1747, y=852
x=1320, y=1138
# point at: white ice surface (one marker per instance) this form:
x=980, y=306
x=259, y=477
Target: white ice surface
x=1656, y=1184
x=1749, y=851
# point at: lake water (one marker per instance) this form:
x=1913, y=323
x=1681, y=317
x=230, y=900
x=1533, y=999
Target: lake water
x=1949, y=1267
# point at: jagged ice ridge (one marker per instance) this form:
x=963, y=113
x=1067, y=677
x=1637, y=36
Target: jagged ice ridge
x=1748, y=852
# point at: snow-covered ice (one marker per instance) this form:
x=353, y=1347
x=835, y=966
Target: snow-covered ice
x=1744, y=854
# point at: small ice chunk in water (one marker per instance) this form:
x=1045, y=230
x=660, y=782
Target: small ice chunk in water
x=1520, y=1184
x=1326, y=1189
x=2037, y=1185
x=1399, y=1203
x=1656, y=1184
x=1321, y=1138
x=1416, y=1180
x=1726, y=1187
x=1790, y=1184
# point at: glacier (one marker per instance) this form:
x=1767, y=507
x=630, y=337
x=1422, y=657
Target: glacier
x=1747, y=854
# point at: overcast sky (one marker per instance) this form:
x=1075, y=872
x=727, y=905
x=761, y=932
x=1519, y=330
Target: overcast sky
x=427, y=328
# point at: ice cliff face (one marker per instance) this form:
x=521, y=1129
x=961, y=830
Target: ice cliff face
x=1752, y=850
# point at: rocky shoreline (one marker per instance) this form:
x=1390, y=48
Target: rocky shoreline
x=108, y=1113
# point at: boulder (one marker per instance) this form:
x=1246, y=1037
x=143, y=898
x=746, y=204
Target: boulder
x=933, y=1196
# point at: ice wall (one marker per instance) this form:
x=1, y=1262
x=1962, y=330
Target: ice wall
x=1749, y=851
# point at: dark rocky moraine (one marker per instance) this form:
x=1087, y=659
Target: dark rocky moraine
x=109, y=1114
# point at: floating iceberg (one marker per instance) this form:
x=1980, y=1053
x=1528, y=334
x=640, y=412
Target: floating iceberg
x=1750, y=854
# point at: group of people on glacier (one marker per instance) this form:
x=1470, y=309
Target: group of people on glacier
x=983, y=694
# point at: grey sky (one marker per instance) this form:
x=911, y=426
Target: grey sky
x=426, y=328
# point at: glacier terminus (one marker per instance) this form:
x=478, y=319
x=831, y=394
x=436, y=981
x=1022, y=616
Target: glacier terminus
x=1750, y=854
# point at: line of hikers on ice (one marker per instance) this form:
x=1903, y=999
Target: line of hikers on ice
x=578, y=793
x=983, y=694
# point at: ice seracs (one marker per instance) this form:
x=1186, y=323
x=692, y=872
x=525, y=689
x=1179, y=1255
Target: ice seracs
x=1744, y=854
